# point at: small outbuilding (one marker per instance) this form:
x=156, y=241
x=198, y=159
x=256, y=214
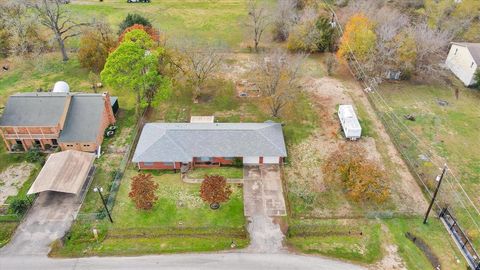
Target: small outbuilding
x=349, y=121
x=115, y=106
x=65, y=172
x=463, y=60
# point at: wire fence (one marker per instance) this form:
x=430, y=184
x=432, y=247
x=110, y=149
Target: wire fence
x=420, y=158
x=118, y=177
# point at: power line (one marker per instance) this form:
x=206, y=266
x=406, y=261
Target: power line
x=397, y=120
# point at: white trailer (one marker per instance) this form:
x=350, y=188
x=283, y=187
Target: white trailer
x=349, y=121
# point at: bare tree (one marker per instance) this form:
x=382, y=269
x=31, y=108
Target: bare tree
x=278, y=74
x=198, y=63
x=284, y=18
x=23, y=31
x=53, y=15
x=258, y=21
x=431, y=45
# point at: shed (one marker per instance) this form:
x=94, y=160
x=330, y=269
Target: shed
x=349, y=121
x=64, y=172
x=202, y=119
x=114, y=103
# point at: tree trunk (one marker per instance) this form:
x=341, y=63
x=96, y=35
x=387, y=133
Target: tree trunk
x=61, y=44
x=139, y=100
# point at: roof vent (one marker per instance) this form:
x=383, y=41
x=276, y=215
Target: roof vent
x=61, y=87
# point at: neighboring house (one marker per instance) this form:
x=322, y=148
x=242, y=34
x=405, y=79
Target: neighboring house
x=75, y=121
x=171, y=145
x=463, y=60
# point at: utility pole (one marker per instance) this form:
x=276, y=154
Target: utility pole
x=99, y=190
x=439, y=180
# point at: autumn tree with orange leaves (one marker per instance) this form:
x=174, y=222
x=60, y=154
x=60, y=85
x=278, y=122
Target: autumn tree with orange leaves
x=142, y=191
x=358, y=38
x=152, y=32
x=362, y=179
x=215, y=190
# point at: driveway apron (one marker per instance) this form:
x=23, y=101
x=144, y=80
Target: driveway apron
x=49, y=219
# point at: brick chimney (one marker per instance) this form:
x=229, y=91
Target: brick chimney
x=108, y=108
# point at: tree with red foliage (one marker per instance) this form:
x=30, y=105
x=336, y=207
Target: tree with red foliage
x=215, y=190
x=152, y=32
x=142, y=191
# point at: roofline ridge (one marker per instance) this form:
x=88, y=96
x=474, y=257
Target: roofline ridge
x=270, y=141
x=179, y=146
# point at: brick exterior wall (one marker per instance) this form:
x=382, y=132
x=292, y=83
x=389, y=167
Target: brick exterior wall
x=159, y=166
x=28, y=135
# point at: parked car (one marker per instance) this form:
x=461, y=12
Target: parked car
x=138, y=1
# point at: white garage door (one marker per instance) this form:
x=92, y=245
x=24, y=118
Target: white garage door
x=251, y=160
x=271, y=160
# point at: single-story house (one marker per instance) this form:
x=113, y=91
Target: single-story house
x=71, y=121
x=463, y=60
x=173, y=145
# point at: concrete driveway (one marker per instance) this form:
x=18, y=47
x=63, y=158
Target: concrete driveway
x=263, y=192
x=263, y=200
x=49, y=218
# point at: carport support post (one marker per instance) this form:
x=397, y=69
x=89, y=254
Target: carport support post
x=440, y=178
x=99, y=190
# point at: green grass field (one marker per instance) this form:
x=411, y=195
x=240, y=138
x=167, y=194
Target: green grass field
x=219, y=22
x=365, y=241
x=451, y=131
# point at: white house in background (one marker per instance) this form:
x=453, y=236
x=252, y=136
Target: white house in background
x=463, y=60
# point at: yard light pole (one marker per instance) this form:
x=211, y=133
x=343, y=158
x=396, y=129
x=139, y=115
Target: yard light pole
x=439, y=180
x=99, y=190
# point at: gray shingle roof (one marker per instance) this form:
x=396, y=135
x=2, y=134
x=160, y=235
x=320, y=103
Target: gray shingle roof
x=34, y=109
x=473, y=48
x=83, y=119
x=168, y=142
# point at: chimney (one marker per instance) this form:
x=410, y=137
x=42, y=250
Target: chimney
x=108, y=107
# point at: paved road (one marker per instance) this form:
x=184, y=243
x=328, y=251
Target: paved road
x=231, y=261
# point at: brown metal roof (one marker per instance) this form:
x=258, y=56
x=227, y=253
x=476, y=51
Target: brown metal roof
x=64, y=172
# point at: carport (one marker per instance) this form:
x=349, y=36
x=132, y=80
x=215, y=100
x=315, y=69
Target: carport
x=62, y=184
x=64, y=172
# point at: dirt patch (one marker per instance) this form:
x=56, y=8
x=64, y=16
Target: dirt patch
x=306, y=158
x=12, y=179
x=391, y=260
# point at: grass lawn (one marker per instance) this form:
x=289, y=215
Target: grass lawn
x=364, y=241
x=450, y=131
x=6, y=231
x=179, y=222
x=433, y=234
x=215, y=21
x=227, y=172
x=353, y=240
